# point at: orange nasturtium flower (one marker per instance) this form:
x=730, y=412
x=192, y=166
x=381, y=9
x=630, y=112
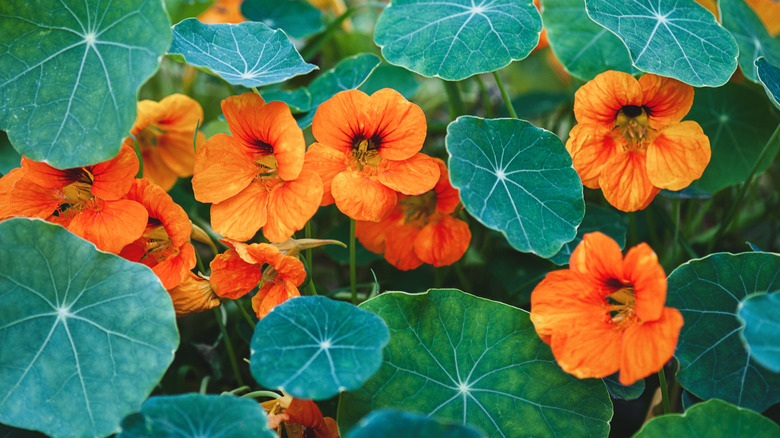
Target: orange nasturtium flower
x=630, y=141
x=606, y=313
x=421, y=229
x=769, y=13
x=368, y=149
x=223, y=11
x=166, y=135
x=194, y=294
x=301, y=418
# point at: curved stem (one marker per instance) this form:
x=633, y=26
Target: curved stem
x=664, y=391
x=256, y=394
x=504, y=94
x=244, y=313
x=352, y=267
x=228, y=346
x=453, y=95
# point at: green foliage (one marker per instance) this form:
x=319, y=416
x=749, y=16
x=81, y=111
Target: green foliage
x=761, y=316
x=180, y=10
x=623, y=392
x=711, y=419
x=299, y=99
x=605, y=220
x=769, y=76
x=296, y=18
x=9, y=158
x=389, y=423
x=752, y=37
x=390, y=76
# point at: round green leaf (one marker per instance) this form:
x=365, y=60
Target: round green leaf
x=392, y=423
x=761, y=316
x=70, y=72
x=738, y=122
x=390, y=76
x=623, y=392
x=769, y=76
x=713, y=361
x=315, y=347
x=517, y=179
x=9, y=158
x=713, y=418
x=469, y=360
x=455, y=39
x=605, y=220
x=674, y=38
x=249, y=54
x=752, y=37
x=584, y=48
x=296, y=18
x=299, y=99
x=86, y=335
x=198, y=416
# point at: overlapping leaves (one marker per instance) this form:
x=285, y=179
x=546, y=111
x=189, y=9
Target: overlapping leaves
x=709, y=419
x=761, y=316
x=752, y=37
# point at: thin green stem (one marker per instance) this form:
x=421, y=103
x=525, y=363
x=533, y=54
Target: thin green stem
x=315, y=44
x=456, y=102
x=485, y=97
x=244, y=313
x=504, y=94
x=238, y=390
x=464, y=280
x=200, y=262
x=140, y=156
x=228, y=346
x=664, y=392
x=255, y=90
x=204, y=384
x=676, y=214
x=307, y=254
x=352, y=267
x=256, y=394
x=668, y=223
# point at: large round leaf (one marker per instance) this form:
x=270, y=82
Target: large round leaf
x=605, y=220
x=713, y=361
x=198, y=416
x=297, y=18
x=473, y=361
x=70, y=72
x=315, y=347
x=517, y=179
x=674, y=38
x=392, y=423
x=769, y=76
x=752, y=37
x=455, y=39
x=761, y=316
x=84, y=335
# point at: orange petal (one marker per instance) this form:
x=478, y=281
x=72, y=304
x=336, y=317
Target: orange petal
x=291, y=205
x=241, y=113
x=414, y=176
x=110, y=225
x=372, y=234
x=306, y=413
x=625, y=183
x=160, y=206
x=179, y=155
x=443, y=241
x=174, y=269
x=155, y=169
x=362, y=198
x=599, y=259
x=558, y=301
x=647, y=347
x=399, y=123
x=447, y=197
x=399, y=249
x=326, y=162
x=232, y=277
x=20, y=197
x=240, y=216
x=193, y=295
x=678, y=155
x=590, y=146
x=222, y=169
x=667, y=99
x=643, y=271
x=113, y=178
x=287, y=267
x=588, y=348
x=46, y=176
x=599, y=100
x=342, y=118
x=271, y=295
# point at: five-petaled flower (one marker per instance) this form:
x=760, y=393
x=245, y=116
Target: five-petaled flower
x=606, y=313
x=630, y=141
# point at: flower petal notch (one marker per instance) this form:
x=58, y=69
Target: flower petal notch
x=249, y=54
x=86, y=334
x=684, y=42
x=769, y=76
x=297, y=18
x=761, y=316
x=456, y=39
x=518, y=179
x=458, y=358
x=79, y=114
x=390, y=422
x=315, y=347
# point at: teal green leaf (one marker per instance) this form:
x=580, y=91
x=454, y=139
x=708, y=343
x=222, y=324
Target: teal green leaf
x=455, y=39
x=84, y=335
x=468, y=360
x=297, y=18
x=518, y=179
x=607, y=221
x=299, y=99
x=70, y=73
x=180, y=10
x=584, y=48
x=392, y=423
x=674, y=38
x=348, y=74
x=9, y=158
x=198, y=416
x=623, y=392
x=769, y=76
x=12, y=432
x=752, y=37
x=390, y=76
x=315, y=347
x=249, y=54
x=761, y=316
x=738, y=121
x=713, y=361
x=713, y=418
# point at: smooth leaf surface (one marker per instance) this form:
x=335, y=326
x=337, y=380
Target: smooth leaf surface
x=9, y=158
x=296, y=18
x=469, y=360
x=315, y=347
x=674, y=38
x=299, y=99
x=392, y=423
x=249, y=54
x=752, y=37
x=391, y=76
x=769, y=76
x=517, y=179
x=713, y=361
x=623, y=392
x=607, y=221
x=84, y=335
x=761, y=316
x=70, y=73
x=713, y=418
x=584, y=48
x=455, y=39
x=198, y=416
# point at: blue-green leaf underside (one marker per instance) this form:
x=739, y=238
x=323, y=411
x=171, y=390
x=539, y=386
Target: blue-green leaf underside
x=393, y=423
x=455, y=39
x=607, y=221
x=518, y=179
x=713, y=361
x=297, y=18
x=468, y=360
x=315, y=347
x=249, y=54
x=752, y=37
x=769, y=76
x=674, y=38
x=70, y=73
x=761, y=316
x=84, y=335
x=624, y=392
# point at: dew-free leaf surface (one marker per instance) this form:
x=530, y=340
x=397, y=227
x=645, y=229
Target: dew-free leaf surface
x=752, y=37
x=297, y=18
x=769, y=76
x=249, y=54
x=605, y=220
x=713, y=361
x=469, y=360
x=70, y=72
x=674, y=38
x=623, y=392
x=84, y=335
x=761, y=316
x=518, y=179
x=315, y=347
x=392, y=423
x=455, y=39
x=391, y=76
x=299, y=99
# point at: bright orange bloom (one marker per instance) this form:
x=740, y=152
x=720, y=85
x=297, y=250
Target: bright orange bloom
x=606, y=313
x=165, y=132
x=223, y=11
x=301, y=418
x=769, y=13
x=193, y=295
x=164, y=245
x=254, y=178
x=630, y=141
x=421, y=229
x=368, y=150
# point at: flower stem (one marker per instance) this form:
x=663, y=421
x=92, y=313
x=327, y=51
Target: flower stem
x=352, y=270
x=228, y=345
x=507, y=100
x=456, y=103
x=485, y=97
x=244, y=313
x=675, y=244
x=256, y=394
x=664, y=391
x=307, y=254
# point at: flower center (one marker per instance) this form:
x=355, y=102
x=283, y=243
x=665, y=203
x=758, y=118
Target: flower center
x=632, y=126
x=149, y=136
x=364, y=154
x=620, y=306
x=158, y=244
x=419, y=208
x=76, y=195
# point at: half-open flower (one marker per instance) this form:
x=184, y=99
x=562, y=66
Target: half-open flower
x=195, y=294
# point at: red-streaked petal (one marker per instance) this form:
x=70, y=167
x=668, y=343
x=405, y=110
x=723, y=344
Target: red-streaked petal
x=361, y=197
x=232, y=277
x=326, y=162
x=588, y=348
x=625, y=183
x=668, y=100
x=114, y=177
x=44, y=175
x=343, y=117
x=642, y=270
x=399, y=248
x=591, y=146
x=287, y=267
x=678, y=155
x=443, y=241
x=599, y=259
x=399, y=123
x=447, y=197
x=20, y=197
x=173, y=270
x=242, y=114
x=599, y=100
x=156, y=171
x=280, y=130
x=647, y=347
x=291, y=205
x=414, y=176
x=160, y=206
x=242, y=215
x=223, y=168
x=271, y=295
x=558, y=301
x=110, y=225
